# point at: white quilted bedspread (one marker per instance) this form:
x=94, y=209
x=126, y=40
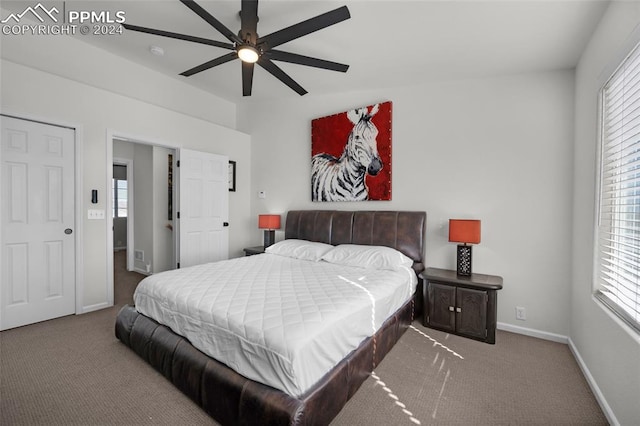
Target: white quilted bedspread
x=276, y=320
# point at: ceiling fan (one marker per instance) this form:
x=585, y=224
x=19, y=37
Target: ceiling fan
x=252, y=49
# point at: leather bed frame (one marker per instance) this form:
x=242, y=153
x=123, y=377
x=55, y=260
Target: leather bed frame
x=232, y=399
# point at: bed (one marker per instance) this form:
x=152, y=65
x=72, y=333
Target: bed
x=232, y=398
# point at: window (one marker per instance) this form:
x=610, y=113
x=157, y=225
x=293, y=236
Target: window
x=119, y=198
x=618, y=232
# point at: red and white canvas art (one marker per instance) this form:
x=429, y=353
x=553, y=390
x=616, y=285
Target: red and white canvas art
x=351, y=155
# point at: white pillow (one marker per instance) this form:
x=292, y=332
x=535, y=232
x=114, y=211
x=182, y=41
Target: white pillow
x=299, y=249
x=377, y=257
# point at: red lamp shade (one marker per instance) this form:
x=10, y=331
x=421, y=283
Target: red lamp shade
x=464, y=231
x=269, y=221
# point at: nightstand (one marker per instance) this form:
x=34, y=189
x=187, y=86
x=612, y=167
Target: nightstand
x=461, y=305
x=250, y=251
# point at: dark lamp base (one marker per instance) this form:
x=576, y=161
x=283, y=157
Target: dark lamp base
x=464, y=260
x=269, y=237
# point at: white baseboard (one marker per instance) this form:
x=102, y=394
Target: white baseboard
x=606, y=409
x=96, y=307
x=141, y=271
x=533, y=333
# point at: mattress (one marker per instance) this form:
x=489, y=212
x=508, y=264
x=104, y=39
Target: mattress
x=277, y=320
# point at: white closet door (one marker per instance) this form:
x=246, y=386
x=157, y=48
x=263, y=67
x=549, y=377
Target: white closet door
x=203, y=207
x=37, y=242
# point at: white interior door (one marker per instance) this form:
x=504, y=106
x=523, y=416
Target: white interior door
x=203, y=207
x=37, y=242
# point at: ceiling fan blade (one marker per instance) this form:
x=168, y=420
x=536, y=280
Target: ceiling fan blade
x=210, y=64
x=305, y=27
x=249, y=18
x=179, y=36
x=222, y=29
x=247, y=78
x=274, y=70
x=294, y=58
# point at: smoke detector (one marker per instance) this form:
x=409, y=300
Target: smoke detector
x=156, y=50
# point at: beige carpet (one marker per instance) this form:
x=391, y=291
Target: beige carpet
x=445, y=379
x=73, y=371
x=125, y=282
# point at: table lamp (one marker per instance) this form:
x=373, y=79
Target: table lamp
x=465, y=231
x=269, y=222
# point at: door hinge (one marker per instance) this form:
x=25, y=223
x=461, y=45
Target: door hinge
x=178, y=163
x=178, y=215
x=178, y=266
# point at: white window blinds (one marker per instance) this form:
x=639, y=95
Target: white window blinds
x=618, y=251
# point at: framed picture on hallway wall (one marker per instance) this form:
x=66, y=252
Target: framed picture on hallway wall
x=232, y=176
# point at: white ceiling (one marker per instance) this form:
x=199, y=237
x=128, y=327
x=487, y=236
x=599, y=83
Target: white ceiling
x=386, y=43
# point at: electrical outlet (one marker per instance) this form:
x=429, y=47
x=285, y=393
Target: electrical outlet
x=521, y=313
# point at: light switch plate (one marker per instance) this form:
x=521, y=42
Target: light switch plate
x=95, y=214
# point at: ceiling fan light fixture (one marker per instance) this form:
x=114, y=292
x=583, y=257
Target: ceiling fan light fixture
x=248, y=54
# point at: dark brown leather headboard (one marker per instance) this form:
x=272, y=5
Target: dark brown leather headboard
x=401, y=230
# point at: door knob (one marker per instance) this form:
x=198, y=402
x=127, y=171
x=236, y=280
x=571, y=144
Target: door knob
x=68, y=231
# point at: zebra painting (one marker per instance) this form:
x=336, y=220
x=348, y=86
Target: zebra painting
x=344, y=178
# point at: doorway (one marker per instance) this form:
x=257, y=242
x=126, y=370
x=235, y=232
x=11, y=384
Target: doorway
x=141, y=227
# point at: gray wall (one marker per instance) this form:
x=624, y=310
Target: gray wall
x=608, y=348
x=495, y=149
x=143, y=185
